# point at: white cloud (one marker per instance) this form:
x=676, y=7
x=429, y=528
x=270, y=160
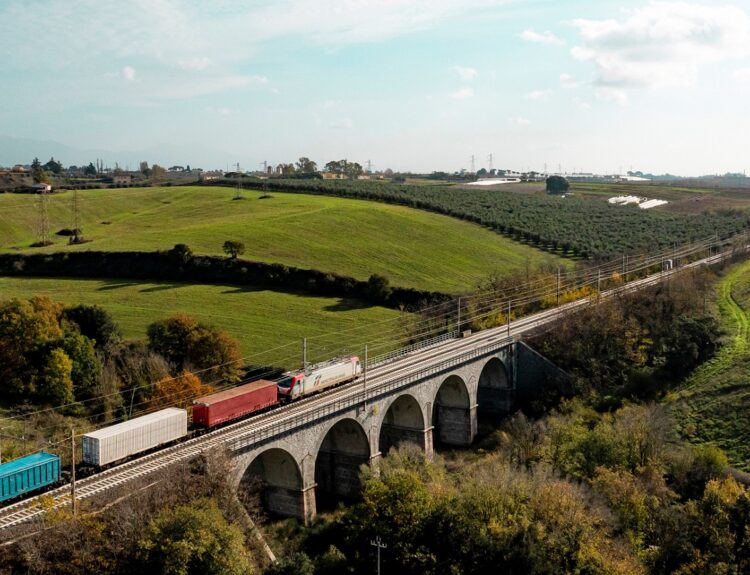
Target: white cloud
x=342, y=124
x=465, y=73
x=463, y=94
x=569, y=82
x=661, y=44
x=742, y=74
x=170, y=41
x=546, y=37
x=613, y=94
x=220, y=111
x=519, y=121
x=539, y=95
x=128, y=73
x=328, y=104
x=196, y=64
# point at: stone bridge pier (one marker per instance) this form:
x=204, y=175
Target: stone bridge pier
x=318, y=462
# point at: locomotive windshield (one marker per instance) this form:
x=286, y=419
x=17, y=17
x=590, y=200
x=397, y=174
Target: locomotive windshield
x=285, y=382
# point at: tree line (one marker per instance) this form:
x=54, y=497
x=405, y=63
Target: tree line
x=74, y=357
x=180, y=264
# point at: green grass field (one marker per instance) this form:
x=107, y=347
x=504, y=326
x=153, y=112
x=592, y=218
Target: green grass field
x=411, y=247
x=259, y=320
x=713, y=405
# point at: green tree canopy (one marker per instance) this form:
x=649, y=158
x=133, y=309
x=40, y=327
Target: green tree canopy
x=557, y=185
x=233, y=248
x=188, y=344
x=96, y=323
x=193, y=539
x=54, y=382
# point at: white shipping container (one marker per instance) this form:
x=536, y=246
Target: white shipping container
x=116, y=442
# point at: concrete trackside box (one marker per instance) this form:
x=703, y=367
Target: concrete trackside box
x=116, y=442
x=234, y=403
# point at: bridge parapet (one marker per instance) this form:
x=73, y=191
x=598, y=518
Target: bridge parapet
x=436, y=405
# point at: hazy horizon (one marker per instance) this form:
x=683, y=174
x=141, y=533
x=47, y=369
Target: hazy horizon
x=412, y=85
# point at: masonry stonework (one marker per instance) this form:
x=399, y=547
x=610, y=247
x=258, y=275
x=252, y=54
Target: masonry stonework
x=323, y=458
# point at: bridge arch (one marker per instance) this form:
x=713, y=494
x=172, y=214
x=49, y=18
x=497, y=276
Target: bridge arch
x=276, y=478
x=454, y=417
x=344, y=447
x=494, y=393
x=404, y=421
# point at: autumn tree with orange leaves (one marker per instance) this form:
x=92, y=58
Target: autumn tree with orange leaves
x=178, y=391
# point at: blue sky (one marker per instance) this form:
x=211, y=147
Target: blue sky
x=408, y=84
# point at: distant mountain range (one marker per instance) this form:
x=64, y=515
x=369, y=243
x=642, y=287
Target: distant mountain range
x=23, y=150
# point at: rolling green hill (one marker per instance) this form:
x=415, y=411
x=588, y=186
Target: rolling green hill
x=259, y=320
x=714, y=404
x=412, y=248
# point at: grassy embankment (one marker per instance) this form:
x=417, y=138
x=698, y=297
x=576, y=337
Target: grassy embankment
x=350, y=237
x=713, y=405
x=259, y=320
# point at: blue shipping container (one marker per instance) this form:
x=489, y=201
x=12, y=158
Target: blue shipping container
x=28, y=474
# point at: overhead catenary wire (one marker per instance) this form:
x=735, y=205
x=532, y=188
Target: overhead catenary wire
x=212, y=368
x=654, y=259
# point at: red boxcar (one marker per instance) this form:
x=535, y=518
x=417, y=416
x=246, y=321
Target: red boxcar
x=233, y=403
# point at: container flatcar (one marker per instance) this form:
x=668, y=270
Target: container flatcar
x=28, y=474
x=234, y=403
x=318, y=378
x=116, y=442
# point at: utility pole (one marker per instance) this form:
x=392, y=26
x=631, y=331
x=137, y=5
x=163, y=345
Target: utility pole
x=238, y=193
x=304, y=353
x=509, y=304
x=558, y=286
x=473, y=165
x=364, y=379
x=458, y=320
x=73, y=469
x=378, y=542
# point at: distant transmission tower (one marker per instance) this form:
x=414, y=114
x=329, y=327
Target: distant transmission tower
x=369, y=167
x=43, y=229
x=238, y=193
x=473, y=165
x=489, y=161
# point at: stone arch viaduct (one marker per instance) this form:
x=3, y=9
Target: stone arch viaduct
x=319, y=462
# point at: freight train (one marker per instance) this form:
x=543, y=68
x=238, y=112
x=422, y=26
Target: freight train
x=116, y=443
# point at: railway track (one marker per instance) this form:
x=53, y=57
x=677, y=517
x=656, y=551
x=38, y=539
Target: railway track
x=402, y=371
